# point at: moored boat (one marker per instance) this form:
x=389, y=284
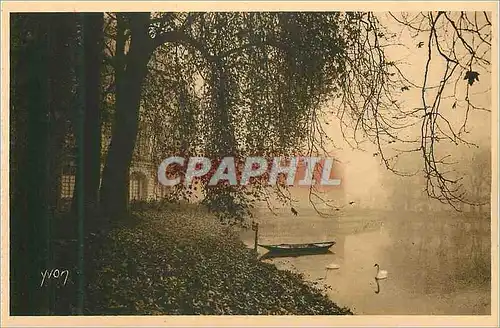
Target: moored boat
x=305, y=248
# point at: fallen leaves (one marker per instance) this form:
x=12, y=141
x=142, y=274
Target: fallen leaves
x=185, y=262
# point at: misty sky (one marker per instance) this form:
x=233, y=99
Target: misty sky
x=363, y=170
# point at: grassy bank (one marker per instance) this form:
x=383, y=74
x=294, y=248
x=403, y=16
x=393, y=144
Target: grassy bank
x=182, y=261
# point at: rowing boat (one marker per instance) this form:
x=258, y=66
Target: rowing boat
x=307, y=248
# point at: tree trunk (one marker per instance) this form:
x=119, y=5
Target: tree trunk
x=92, y=134
x=42, y=70
x=93, y=47
x=18, y=165
x=29, y=215
x=62, y=34
x=114, y=188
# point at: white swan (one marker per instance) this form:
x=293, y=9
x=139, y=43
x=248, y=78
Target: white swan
x=332, y=266
x=381, y=274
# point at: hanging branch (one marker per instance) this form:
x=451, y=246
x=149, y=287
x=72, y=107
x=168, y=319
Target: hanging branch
x=462, y=42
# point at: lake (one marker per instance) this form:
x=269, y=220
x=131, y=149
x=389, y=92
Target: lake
x=438, y=263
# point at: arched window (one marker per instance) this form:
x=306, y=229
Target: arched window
x=137, y=189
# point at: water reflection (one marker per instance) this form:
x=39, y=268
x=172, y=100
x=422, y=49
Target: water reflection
x=273, y=255
x=378, y=286
x=438, y=264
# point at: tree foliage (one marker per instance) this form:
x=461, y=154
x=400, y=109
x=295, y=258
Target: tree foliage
x=238, y=83
x=253, y=84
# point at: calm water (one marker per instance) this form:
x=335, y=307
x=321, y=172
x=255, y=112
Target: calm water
x=438, y=263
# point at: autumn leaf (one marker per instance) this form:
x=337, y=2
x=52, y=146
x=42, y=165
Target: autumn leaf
x=471, y=76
